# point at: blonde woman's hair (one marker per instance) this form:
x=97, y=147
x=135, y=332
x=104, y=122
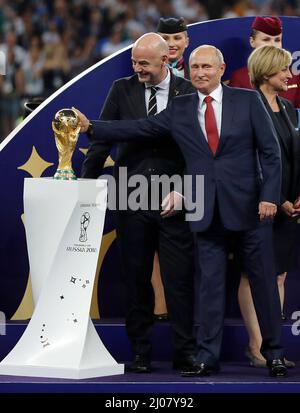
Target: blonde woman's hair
x=266, y=61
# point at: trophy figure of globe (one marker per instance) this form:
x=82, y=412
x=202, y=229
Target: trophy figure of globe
x=66, y=127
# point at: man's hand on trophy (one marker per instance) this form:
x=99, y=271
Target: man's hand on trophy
x=84, y=122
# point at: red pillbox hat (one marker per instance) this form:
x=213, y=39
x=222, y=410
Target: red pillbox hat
x=269, y=25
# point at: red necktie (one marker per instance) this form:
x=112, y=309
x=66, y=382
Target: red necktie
x=211, y=125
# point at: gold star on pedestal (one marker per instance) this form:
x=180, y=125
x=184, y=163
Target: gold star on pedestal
x=35, y=165
x=109, y=161
x=25, y=309
x=107, y=240
x=83, y=150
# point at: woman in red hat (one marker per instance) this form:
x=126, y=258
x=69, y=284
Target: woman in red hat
x=267, y=31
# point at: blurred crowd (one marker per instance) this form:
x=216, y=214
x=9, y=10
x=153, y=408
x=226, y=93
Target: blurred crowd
x=48, y=42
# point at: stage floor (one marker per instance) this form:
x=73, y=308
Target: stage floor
x=236, y=376
x=233, y=378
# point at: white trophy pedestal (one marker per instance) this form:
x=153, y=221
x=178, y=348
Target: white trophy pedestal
x=64, y=223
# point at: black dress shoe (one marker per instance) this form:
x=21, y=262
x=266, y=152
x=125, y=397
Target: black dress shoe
x=182, y=363
x=161, y=318
x=200, y=370
x=277, y=368
x=140, y=364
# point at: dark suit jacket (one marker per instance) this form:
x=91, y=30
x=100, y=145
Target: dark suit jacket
x=290, y=187
x=231, y=174
x=240, y=78
x=126, y=100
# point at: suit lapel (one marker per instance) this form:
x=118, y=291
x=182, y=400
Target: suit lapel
x=228, y=109
x=283, y=109
x=296, y=147
x=275, y=122
x=173, y=90
x=296, y=163
x=138, y=99
x=289, y=123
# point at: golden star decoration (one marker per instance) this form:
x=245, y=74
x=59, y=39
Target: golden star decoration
x=35, y=165
x=109, y=161
x=25, y=309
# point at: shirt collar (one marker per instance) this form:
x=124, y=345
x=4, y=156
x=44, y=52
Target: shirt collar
x=216, y=94
x=162, y=85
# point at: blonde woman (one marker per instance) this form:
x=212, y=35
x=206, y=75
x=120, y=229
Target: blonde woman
x=269, y=73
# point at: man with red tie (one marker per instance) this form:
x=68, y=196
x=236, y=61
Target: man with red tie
x=221, y=131
x=267, y=31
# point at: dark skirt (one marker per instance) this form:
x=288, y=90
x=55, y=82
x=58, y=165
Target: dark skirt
x=284, y=236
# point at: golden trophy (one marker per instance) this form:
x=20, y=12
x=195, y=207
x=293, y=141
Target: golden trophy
x=66, y=127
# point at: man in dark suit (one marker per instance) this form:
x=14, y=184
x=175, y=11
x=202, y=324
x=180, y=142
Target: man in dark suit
x=140, y=233
x=174, y=31
x=267, y=31
x=221, y=132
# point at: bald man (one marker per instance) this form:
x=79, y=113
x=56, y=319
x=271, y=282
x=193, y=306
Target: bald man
x=140, y=233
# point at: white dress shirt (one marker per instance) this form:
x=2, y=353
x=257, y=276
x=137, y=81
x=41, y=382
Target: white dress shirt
x=162, y=96
x=217, y=96
x=162, y=93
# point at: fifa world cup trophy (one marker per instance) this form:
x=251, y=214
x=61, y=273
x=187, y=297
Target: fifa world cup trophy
x=66, y=127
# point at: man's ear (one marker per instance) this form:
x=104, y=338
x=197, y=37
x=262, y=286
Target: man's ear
x=165, y=59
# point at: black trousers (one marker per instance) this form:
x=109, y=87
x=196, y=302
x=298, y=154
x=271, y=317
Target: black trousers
x=256, y=251
x=139, y=235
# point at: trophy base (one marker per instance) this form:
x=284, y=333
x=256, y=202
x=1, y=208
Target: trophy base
x=65, y=174
x=62, y=372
